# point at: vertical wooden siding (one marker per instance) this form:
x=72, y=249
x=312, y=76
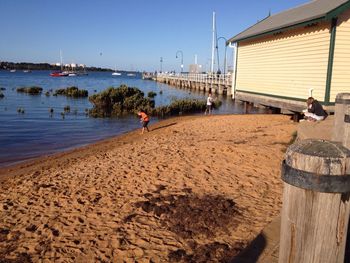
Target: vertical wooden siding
x=341, y=64
x=288, y=64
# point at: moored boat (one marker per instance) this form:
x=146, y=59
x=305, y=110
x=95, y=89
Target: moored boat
x=27, y=70
x=82, y=73
x=116, y=73
x=59, y=74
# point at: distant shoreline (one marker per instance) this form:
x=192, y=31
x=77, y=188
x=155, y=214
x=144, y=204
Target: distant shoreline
x=6, y=66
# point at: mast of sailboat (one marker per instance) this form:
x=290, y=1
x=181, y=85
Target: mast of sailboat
x=61, y=60
x=213, y=46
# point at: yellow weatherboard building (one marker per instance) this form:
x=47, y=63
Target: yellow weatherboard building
x=287, y=57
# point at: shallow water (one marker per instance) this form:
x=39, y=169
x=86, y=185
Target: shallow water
x=36, y=132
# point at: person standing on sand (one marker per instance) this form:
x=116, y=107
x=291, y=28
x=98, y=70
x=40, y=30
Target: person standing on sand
x=209, y=108
x=144, y=120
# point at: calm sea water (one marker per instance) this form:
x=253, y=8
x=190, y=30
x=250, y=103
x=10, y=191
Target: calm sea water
x=36, y=133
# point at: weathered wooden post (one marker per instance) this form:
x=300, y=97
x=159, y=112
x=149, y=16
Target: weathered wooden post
x=342, y=101
x=245, y=107
x=346, y=137
x=316, y=204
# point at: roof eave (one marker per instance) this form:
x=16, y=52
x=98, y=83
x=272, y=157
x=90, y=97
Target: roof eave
x=327, y=17
x=337, y=11
x=276, y=30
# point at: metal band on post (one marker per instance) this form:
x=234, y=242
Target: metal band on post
x=315, y=182
x=342, y=101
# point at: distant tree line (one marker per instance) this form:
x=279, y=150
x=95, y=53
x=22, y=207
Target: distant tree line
x=39, y=66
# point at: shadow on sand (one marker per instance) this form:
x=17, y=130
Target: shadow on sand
x=164, y=126
x=252, y=252
x=255, y=249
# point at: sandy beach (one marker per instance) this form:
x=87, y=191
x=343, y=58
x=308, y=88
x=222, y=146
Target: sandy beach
x=194, y=189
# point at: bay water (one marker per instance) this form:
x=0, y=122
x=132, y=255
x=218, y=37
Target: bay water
x=36, y=132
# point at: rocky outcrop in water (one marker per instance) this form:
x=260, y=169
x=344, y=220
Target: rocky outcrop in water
x=74, y=92
x=123, y=100
x=33, y=90
x=180, y=106
x=118, y=101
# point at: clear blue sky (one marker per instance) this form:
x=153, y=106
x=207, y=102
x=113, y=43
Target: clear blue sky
x=131, y=34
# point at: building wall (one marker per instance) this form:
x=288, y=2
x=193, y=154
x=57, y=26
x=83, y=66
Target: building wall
x=287, y=64
x=341, y=64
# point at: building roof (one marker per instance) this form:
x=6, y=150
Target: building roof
x=317, y=9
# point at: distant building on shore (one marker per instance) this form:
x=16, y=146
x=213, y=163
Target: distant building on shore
x=286, y=57
x=195, y=68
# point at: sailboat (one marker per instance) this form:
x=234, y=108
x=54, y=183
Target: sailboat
x=77, y=70
x=82, y=70
x=115, y=73
x=131, y=72
x=72, y=72
x=27, y=70
x=60, y=73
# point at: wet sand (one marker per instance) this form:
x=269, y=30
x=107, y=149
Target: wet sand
x=194, y=189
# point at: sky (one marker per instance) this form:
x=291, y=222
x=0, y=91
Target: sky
x=126, y=34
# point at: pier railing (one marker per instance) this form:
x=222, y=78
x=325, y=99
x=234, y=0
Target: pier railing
x=207, y=78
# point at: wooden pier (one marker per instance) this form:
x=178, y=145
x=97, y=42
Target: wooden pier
x=213, y=83
x=222, y=84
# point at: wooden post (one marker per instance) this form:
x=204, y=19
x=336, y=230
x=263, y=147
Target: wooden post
x=245, y=107
x=315, y=212
x=296, y=117
x=342, y=101
x=346, y=138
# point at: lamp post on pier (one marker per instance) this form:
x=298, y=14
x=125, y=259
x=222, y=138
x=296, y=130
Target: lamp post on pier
x=225, y=52
x=182, y=59
x=161, y=64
